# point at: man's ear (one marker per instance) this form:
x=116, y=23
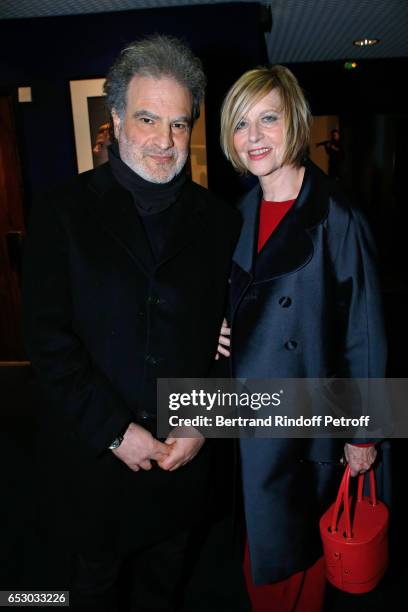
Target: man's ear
x=116, y=123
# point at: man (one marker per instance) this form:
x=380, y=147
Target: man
x=335, y=152
x=102, y=141
x=125, y=282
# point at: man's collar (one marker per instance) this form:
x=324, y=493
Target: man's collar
x=149, y=197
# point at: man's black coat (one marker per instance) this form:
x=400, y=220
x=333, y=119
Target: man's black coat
x=102, y=321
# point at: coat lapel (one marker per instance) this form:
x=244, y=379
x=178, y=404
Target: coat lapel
x=191, y=216
x=242, y=264
x=116, y=210
x=288, y=248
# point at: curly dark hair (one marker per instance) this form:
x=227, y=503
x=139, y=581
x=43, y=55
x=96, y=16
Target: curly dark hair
x=155, y=56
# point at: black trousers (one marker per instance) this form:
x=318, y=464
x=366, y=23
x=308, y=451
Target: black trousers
x=156, y=576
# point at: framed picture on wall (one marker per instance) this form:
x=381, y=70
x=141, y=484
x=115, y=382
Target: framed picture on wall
x=91, y=122
x=321, y=128
x=92, y=135
x=198, y=150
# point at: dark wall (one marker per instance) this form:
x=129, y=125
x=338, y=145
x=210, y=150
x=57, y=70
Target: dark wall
x=372, y=111
x=46, y=53
x=375, y=86
x=373, y=125
x=374, y=129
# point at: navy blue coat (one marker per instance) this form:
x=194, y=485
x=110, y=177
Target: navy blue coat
x=102, y=322
x=307, y=306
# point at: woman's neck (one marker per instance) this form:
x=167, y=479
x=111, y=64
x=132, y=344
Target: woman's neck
x=282, y=184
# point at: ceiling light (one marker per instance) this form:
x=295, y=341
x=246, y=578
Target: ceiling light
x=366, y=42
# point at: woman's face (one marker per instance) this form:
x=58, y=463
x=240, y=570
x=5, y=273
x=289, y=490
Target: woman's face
x=259, y=136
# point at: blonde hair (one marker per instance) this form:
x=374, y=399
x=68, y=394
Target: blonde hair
x=250, y=88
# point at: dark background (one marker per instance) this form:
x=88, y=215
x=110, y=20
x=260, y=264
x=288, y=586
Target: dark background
x=57, y=50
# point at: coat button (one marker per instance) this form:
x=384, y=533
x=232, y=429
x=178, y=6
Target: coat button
x=151, y=360
x=285, y=301
x=291, y=345
x=143, y=414
x=152, y=299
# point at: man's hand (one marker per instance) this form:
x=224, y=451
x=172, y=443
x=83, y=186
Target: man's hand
x=359, y=458
x=183, y=449
x=224, y=340
x=139, y=447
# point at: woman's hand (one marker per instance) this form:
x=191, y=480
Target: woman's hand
x=224, y=340
x=359, y=458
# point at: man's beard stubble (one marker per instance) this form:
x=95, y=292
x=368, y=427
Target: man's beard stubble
x=126, y=150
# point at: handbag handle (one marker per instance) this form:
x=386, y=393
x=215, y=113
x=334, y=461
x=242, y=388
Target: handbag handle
x=373, y=490
x=343, y=495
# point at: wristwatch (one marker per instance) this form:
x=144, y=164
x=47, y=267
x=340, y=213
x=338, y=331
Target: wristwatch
x=116, y=442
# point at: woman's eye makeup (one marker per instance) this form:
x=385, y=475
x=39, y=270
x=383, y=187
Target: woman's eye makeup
x=241, y=125
x=269, y=118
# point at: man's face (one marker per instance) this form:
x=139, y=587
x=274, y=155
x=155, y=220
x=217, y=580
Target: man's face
x=154, y=133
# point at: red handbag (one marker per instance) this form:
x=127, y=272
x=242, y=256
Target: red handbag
x=356, y=553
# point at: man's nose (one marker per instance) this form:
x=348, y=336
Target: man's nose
x=164, y=137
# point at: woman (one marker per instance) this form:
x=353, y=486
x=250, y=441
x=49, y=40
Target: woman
x=304, y=304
